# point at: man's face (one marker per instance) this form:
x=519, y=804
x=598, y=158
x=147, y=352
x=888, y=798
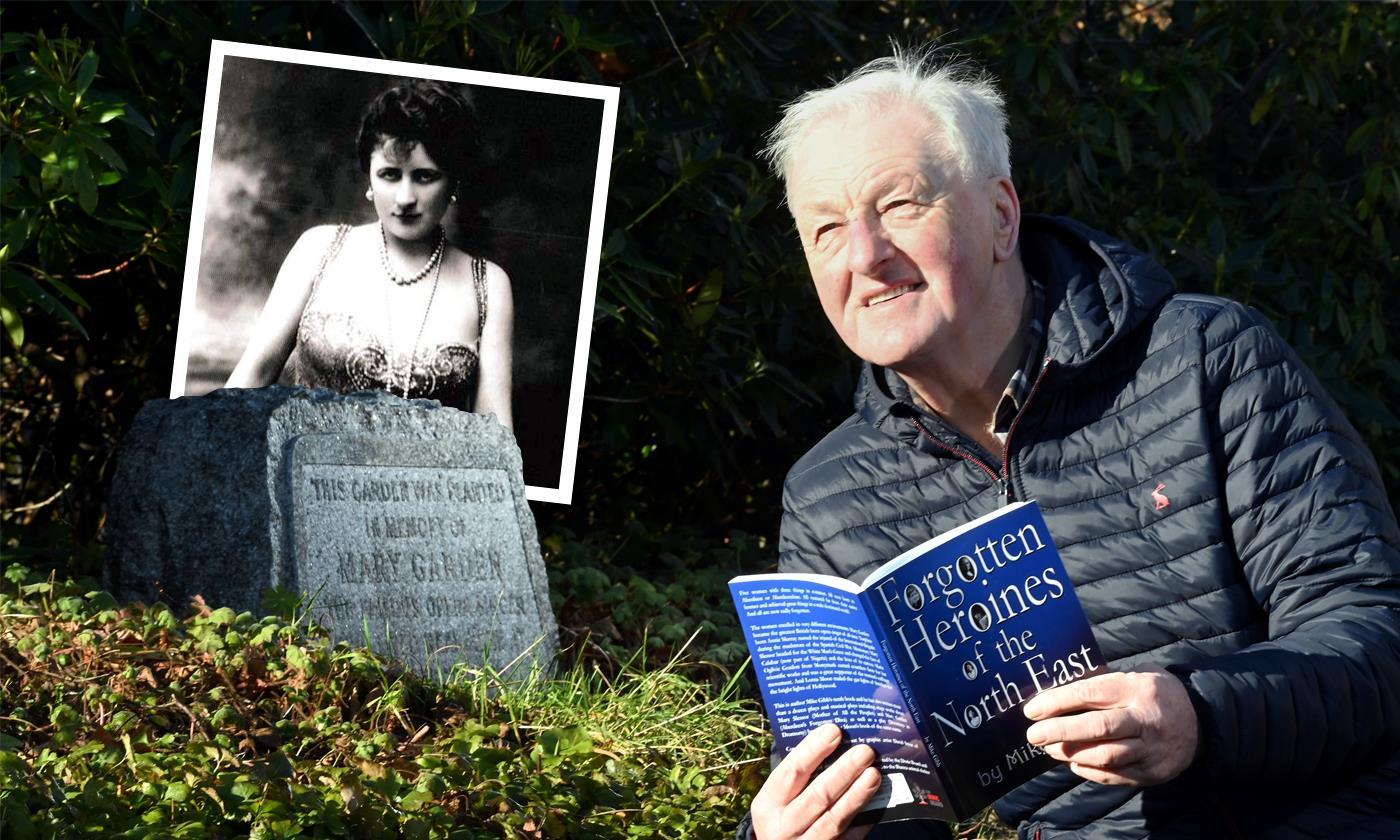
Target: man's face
x=901, y=249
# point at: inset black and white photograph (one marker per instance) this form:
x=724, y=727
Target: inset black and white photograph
x=431, y=232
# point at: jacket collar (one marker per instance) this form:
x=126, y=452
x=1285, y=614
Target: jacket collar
x=1098, y=290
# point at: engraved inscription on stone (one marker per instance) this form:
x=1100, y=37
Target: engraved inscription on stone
x=391, y=512
x=426, y=560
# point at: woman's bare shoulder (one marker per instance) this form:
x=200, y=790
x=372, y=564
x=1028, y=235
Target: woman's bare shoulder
x=498, y=292
x=317, y=235
x=313, y=240
x=497, y=282
x=321, y=236
x=496, y=277
x=310, y=248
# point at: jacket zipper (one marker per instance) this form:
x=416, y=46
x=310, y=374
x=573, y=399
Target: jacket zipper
x=1002, y=481
x=1006, y=460
x=963, y=455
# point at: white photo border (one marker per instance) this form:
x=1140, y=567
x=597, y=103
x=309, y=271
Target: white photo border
x=608, y=96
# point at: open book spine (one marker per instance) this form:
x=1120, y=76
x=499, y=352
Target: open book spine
x=937, y=781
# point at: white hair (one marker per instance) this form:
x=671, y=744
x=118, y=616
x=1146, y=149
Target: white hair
x=963, y=104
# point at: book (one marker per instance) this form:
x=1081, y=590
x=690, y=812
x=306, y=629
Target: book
x=928, y=660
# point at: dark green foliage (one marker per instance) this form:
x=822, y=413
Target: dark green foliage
x=609, y=607
x=1250, y=148
x=52, y=170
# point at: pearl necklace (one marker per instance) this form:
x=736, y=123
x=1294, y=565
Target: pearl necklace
x=392, y=370
x=433, y=261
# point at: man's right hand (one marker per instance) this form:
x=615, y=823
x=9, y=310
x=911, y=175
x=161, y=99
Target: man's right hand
x=789, y=807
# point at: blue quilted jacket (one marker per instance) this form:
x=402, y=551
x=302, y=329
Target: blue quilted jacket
x=1217, y=515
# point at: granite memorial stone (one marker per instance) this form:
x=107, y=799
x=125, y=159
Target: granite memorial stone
x=403, y=522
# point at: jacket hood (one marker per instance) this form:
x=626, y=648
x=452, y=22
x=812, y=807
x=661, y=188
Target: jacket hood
x=1097, y=288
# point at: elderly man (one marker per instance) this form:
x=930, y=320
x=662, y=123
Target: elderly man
x=1224, y=526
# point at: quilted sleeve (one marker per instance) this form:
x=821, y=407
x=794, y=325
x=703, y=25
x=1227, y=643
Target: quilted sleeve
x=798, y=549
x=1320, y=550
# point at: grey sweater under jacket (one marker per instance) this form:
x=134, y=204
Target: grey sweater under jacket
x=1269, y=581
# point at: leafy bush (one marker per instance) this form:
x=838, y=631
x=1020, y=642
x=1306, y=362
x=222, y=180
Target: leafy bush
x=1252, y=149
x=136, y=722
x=653, y=593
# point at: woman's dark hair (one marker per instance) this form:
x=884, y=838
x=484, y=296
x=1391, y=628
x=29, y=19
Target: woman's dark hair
x=426, y=112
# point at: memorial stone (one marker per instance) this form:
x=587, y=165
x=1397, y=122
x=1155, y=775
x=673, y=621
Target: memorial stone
x=404, y=523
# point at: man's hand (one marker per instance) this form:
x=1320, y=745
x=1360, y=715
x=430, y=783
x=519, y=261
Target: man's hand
x=788, y=807
x=1135, y=728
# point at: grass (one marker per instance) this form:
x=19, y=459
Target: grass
x=132, y=721
x=214, y=724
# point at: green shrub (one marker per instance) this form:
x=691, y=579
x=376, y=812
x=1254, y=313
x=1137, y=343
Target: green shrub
x=135, y=722
x=1251, y=148
x=652, y=593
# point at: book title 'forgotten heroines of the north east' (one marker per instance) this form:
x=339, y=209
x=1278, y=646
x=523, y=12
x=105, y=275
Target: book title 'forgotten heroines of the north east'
x=926, y=660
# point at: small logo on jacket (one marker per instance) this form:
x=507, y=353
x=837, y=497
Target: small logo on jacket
x=1159, y=498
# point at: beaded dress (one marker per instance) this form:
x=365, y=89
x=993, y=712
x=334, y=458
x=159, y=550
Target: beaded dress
x=338, y=350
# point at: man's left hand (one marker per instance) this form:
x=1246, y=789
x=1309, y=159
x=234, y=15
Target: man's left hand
x=1135, y=728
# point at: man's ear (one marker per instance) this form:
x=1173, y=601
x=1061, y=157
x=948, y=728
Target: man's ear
x=1007, y=219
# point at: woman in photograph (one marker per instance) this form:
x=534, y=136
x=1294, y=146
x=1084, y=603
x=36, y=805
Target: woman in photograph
x=391, y=305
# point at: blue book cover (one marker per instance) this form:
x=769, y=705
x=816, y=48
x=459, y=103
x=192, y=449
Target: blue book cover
x=928, y=660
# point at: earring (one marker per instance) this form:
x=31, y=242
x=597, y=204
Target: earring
x=369, y=194
x=453, y=199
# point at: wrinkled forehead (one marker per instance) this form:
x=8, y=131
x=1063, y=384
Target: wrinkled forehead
x=851, y=154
